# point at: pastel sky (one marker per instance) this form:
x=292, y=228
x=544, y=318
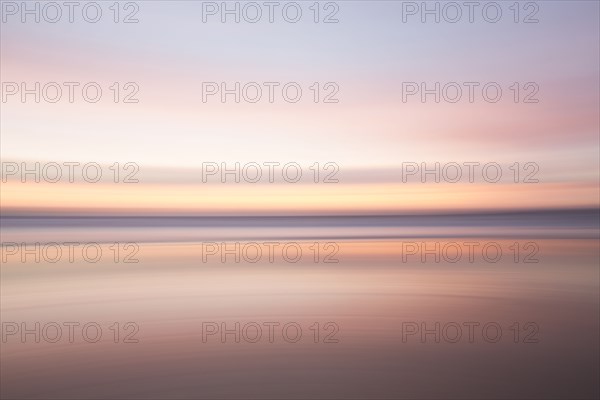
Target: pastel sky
x=369, y=133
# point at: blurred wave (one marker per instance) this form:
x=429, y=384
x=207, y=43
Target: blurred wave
x=570, y=223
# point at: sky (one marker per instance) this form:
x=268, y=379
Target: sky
x=369, y=133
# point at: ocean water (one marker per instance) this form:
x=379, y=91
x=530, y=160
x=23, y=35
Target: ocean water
x=455, y=306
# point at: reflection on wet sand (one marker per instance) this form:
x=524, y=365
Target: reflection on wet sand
x=375, y=291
